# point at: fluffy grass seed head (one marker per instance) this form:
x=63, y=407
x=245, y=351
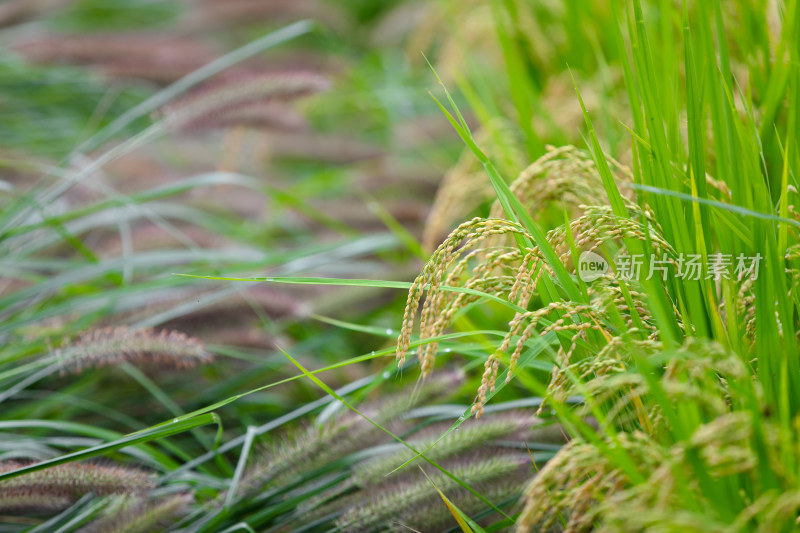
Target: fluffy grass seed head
x=408, y=501
x=222, y=101
x=315, y=446
x=113, y=346
x=140, y=514
x=56, y=487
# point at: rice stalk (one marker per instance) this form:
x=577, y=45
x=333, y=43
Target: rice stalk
x=563, y=175
x=513, y=273
x=435, y=273
x=571, y=485
x=586, y=485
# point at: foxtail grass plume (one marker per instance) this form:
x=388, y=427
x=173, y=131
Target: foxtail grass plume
x=140, y=514
x=113, y=346
x=58, y=486
x=226, y=13
x=160, y=58
x=220, y=101
x=17, y=11
x=390, y=502
x=488, y=455
x=470, y=436
x=335, y=149
x=346, y=434
x=260, y=115
x=150, y=236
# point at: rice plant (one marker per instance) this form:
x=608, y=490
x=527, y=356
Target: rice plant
x=685, y=389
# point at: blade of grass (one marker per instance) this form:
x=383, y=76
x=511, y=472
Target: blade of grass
x=152, y=433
